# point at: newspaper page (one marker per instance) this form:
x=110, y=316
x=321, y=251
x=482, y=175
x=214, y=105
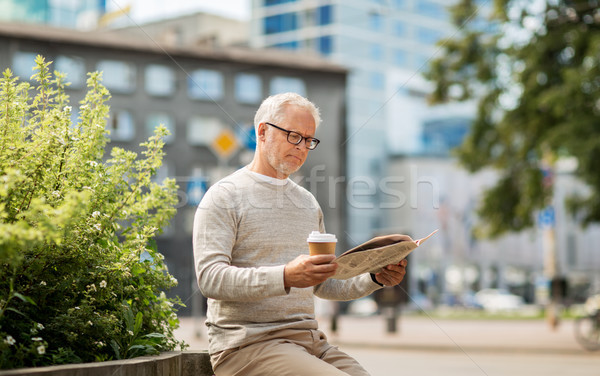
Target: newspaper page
x=372, y=256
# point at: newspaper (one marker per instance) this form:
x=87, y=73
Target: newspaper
x=372, y=256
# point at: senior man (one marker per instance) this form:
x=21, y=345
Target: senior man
x=252, y=262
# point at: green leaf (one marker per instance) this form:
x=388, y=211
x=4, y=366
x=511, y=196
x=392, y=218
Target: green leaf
x=16, y=311
x=138, y=323
x=24, y=298
x=155, y=335
x=116, y=348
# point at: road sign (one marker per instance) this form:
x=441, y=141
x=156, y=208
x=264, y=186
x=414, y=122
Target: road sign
x=546, y=217
x=225, y=144
x=196, y=189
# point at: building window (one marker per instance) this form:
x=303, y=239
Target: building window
x=325, y=15
x=159, y=80
x=74, y=68
x=268, y=3
x=375, y=21
x=325, y=44
x=280, y=23
x=376, y=52
x=399, y=29
x=401, y=58
x=202, y=131
x=431, y=9
x=158, y=118
x=428, y=36
x=400, y=4
x=22, y=64
x=292, y=45
x=281, y=84
x=377, y=81
x=118, y=76
x=441, y=136
x=248, y=88
x=121, y=126
x=205, y=84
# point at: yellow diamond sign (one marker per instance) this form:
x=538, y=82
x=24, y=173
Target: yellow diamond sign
x=225, y=144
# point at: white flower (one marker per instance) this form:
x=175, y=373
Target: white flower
x=90, y=323
x=98, y=226
x=130, y=332
x=103, y=284
x=93, y=163
x=41, y=349
x=67, y=109
x=43, y=283
x=77, y=308
x=10, y=340
x=40, y=326
x=36, y=338
x=56, y=194
x=95, y=214
x=33, y=331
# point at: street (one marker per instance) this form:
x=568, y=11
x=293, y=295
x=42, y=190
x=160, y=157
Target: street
x=449, y=347
x=386, y=362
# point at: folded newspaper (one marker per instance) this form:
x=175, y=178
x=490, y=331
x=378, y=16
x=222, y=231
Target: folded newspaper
x=372, y=256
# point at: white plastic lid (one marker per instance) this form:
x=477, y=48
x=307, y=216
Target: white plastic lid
x=317, y=237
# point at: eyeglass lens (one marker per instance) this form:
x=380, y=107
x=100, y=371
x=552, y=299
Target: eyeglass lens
x=296, y=138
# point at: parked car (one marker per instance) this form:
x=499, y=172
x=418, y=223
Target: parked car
x=495, y=300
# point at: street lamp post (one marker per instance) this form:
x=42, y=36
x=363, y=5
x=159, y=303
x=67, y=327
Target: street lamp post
x=547, y=221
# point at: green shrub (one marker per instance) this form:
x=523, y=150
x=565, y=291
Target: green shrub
x=80, y=277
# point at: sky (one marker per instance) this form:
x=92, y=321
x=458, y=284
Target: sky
x=150, y=10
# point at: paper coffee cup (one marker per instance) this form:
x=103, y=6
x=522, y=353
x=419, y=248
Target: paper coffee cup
x=321, y=244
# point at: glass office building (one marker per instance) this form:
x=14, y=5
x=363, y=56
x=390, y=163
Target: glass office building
x=386, y=44
x=73, y=14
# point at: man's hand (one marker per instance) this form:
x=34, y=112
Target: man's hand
x=392, y=274
x=307, y=271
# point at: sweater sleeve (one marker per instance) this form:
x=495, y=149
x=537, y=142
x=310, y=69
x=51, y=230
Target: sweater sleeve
x=349, y=289
x=214, y=234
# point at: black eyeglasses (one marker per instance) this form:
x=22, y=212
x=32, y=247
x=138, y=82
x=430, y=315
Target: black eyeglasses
x=296, y=138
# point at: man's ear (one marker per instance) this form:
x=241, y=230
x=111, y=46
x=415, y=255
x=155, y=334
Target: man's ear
x=260, y=131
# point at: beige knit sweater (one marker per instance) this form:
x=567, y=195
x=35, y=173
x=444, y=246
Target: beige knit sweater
x=245, y=231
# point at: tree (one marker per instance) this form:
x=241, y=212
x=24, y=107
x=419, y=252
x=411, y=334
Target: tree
x=80, y=276
x=534, y=69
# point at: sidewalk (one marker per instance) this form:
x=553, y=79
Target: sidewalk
x=431, y=334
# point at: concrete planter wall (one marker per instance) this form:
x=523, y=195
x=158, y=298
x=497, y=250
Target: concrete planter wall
x=176, y=363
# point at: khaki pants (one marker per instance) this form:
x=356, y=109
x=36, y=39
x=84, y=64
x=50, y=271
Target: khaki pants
x=287, y=352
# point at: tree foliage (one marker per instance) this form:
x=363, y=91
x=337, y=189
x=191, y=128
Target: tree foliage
x=80, y=276
x=534, y=69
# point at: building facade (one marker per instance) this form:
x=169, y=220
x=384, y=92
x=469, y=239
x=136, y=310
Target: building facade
x=80, y=14
x=192, y=30
x=207, y=98
x=386, y=45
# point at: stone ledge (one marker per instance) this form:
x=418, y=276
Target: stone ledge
x=174, y=363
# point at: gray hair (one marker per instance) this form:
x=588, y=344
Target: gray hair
x=271, y=109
